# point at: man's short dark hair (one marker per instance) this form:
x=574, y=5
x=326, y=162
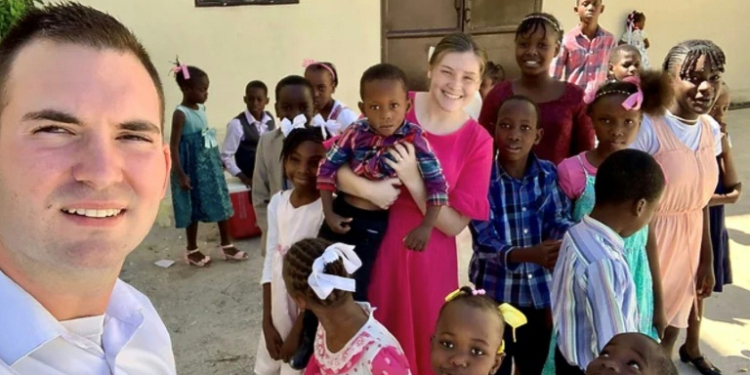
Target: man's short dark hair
x=382, y=72
x=72, y=23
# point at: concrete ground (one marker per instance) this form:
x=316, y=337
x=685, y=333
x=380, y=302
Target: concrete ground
x=214, y=314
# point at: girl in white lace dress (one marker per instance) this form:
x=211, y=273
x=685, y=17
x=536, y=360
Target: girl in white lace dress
x=349, y=339
x=635, y=35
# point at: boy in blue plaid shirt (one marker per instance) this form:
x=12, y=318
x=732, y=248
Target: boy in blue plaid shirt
x=515, y=251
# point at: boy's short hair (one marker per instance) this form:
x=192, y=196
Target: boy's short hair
x=256, y=85
x=73, y=23
x=524, y=99
x=293, y=80
x=614, y=56
x=382, y=72
x=628, y=175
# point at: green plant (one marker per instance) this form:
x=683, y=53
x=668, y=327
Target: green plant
x=11, y=11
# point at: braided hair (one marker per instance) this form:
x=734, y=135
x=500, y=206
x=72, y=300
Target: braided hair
x=297, y=137
x=194, y=73
x=689, y=52
x=656, y=87
x=297, y=268
x=467, y=297
x=539, y=20
x=321, y=66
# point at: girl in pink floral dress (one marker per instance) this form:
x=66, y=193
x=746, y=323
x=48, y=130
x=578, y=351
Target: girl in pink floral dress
x=349, y=340
x=408, y=287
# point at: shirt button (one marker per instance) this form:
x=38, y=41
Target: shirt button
x=531, y=276
x=523, y=209
x=525, y=231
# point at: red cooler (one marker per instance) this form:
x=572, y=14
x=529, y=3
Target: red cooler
x=243, y=223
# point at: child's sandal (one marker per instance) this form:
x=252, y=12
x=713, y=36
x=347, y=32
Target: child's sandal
x=205, y=261
x=236, y=257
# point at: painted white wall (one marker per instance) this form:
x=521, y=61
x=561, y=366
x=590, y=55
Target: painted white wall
x=669, y=22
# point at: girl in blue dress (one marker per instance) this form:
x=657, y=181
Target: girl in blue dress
x=199, y=190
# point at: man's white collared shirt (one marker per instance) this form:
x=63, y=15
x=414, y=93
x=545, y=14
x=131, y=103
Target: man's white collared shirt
x=134, y=340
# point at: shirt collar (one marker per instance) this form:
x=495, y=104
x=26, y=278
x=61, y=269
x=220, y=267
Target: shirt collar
x=403, y=130
x=606, y=232
x=532, y=168
x=27, y=325
x=251, y=119
x=579, y=32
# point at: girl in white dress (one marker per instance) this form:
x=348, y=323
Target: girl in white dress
x=635, y=35
x=292, y=215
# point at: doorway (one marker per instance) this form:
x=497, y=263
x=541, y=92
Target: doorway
x=411, y=27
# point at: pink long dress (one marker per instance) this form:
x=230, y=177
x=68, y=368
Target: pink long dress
x=408, y=288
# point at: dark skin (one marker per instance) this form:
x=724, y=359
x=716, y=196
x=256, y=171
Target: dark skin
x=695, y=96
x=295, y=100
x=466, y=341
x=193, y=94
x=341, y=321
x=516, y=133
x=616, y=128
x=628, y=354
x=534, y=55
x=588, y=12
x=731, y=180
x=324, y=88
x=628, y=64
x=256, y=100
x=301, y=168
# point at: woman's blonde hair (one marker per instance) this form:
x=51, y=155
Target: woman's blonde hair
x=459, y=42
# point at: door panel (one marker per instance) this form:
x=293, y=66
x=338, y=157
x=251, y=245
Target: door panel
x=410, y=27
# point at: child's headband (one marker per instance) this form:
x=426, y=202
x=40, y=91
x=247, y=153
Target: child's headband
x=324, y=284
x=310, y=62
x=633, y=101
x=543, y=18
x=178, y=67
x=512, y=316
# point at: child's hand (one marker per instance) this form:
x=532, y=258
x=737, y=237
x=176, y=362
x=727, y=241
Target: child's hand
x=185, y=182
x=248, y=181
x=338, y=224
x=660, y=322
x=417, y=239
x=546, y=253
x=290, y=346
x=273, y=340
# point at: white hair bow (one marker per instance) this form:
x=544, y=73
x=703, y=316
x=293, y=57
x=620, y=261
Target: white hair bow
x=331, y=127
x=287, y=126
x=324, y=284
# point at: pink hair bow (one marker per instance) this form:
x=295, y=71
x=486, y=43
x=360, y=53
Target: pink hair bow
x=306, y=63
x=182, y=68
x=478, y=292
x=633, y=102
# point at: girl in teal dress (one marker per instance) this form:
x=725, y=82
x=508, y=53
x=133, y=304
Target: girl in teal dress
x=616, y=112
x=199, y=190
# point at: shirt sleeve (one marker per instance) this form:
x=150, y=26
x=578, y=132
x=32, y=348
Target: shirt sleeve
x=557, y=69
x=716, y=131
x=601, y=291
x=432, y=173
x=646, y=140
x=557, y=214
x=571, y=178
x=261, y=192
x=487, y=243
x=272, y=239
x=389, y=360
x=231, y=144
x=490, y=106
x=339, y=153
x=469, y=195
x=347, y=117
x=584, y=137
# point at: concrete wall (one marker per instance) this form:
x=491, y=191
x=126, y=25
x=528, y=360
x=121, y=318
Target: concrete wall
x=237, y=44
x=672, y=21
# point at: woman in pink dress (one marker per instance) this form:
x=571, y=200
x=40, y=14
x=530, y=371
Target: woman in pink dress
x=408, y=288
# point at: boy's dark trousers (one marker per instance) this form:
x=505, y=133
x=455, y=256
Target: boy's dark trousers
x=562, y=367
x=529, y=351
x=366, y=233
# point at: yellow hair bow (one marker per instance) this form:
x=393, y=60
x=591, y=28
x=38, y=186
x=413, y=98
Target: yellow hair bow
x=511, y=315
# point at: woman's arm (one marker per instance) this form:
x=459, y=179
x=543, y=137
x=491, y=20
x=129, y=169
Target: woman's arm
x=380, y=193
